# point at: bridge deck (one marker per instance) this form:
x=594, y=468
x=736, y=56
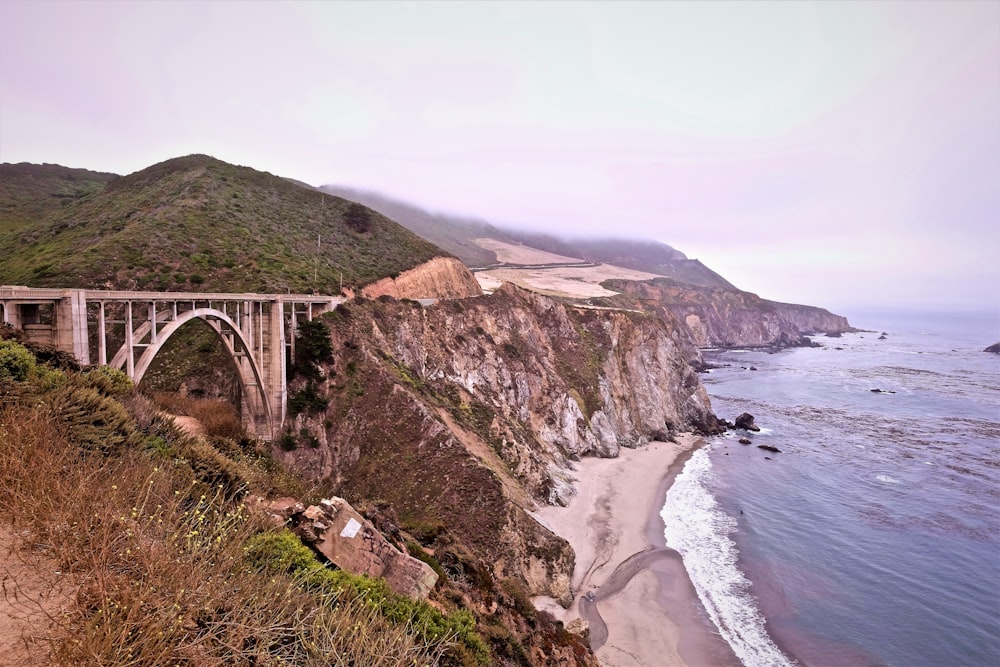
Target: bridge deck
x=17, y=293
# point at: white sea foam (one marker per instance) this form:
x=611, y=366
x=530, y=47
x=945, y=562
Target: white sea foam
x=698, y=528
x=887, y=479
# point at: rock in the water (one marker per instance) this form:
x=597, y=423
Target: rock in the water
x=745, y=421
x=744, y=441
x=882, y=391
x=994, y=348
x=882, y=337
x=770, y=448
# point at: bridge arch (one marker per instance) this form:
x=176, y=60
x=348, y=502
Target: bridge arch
x=256, y=329
x=252, y=383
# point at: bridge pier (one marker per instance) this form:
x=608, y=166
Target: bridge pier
x=256, y=329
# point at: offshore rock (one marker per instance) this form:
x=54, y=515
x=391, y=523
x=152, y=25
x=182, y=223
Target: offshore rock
x=994, y=348
x=746, y=422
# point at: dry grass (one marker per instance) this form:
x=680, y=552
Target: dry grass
x=159, y=559
x=218, y=418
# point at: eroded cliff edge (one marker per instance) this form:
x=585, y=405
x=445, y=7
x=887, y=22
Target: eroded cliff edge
x=720, y=317
x=460, y=416
x=438, y=278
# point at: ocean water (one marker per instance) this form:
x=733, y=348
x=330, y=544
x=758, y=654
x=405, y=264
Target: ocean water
x=873, y=537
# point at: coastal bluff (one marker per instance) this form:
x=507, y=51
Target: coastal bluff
x=722, y=317
x=463, y=416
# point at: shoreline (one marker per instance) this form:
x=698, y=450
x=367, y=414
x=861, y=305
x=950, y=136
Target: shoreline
x=631, y=588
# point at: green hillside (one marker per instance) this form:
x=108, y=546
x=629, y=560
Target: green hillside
x=193, y=223
x=455, y=234
x=30, y=192
x=450, y=232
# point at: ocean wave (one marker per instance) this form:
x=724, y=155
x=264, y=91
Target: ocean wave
x=698, y=528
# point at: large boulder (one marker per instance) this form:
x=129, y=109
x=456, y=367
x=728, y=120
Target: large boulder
x=994, y=348
x=352, y=543
x=745, y=421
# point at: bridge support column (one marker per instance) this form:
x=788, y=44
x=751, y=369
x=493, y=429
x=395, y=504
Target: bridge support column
x=70, y=325
x=12, y=314
x=274, y=363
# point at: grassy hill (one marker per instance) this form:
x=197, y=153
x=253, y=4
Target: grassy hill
x=449, y=232
x=192, y=223
x=31, y=192
x=455, y=234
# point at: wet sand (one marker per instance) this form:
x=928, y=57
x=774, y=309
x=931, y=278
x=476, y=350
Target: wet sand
x=630, y=587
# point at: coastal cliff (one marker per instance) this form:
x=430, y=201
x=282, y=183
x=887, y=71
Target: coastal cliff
x=718, y=317
x=438, y=278
x=461, y=416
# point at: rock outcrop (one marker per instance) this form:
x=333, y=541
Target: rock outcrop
x=462, y=415
x=439, y=278
x=745, y=421
x=719, y=317
x=349, y=541
x=994, y=348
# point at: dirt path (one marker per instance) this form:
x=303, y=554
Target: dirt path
x=189, y=425
x=34, y=592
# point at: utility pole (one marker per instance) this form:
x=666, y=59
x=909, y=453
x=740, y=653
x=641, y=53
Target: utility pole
x=316, y=266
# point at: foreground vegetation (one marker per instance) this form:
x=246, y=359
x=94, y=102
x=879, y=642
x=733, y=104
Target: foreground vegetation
x=166, y=564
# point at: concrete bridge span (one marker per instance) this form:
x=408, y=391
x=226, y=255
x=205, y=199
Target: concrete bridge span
x=126, y=330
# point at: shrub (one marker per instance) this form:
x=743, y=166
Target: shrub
x=288, y=442
x=307, y=400
x=109, y=381
x=94, y=421
x=312, y=348
x=16, y=362
x=358, y=218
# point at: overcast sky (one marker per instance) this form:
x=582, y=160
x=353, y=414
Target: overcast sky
x=833, y=153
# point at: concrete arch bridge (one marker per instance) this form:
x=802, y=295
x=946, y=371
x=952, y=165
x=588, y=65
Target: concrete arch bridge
x=126, y=330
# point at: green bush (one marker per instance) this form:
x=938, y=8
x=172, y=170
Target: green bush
x=288, y=442
x=95, y=421
x=307, y=400
x=312, y=348
x=109, y=381
x=16, y=361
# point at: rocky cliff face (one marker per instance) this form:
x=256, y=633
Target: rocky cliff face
x=439, y=278
x=729, y=318
x=462, y=415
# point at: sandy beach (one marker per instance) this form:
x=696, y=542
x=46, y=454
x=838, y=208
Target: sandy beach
x=631, y=588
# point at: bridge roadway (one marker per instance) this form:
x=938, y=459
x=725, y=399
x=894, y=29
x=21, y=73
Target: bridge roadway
x=258, y=331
